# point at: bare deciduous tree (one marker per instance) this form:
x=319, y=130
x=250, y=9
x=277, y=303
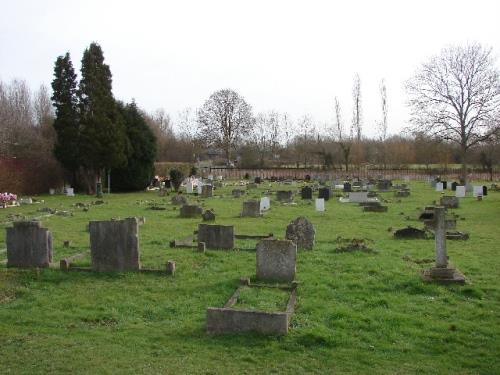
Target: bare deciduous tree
x=456, y=97
x=344, y=137
x=382, y=125
x=224, y=119
x=356, y=111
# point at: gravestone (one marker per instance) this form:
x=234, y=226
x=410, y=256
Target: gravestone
x=284, y=196
x=384, y=185
x=439, y=186
x=449, y=201
x=70, y=192
x=28, y=245
x=216, y=236
x=306, y=193
x=477, y=191
x=358, y=197
x=237, y=193
x=114, y=245
x=301, y=232
x=445, y=184
x=347, y=187
x=320, y=205
x=199, y=189
x=454, y=186
x=402, y=194
x=208, y=215
x=251, y=209
x=375, y=208
x=485, y=190
x=257, y=180
x=469, y=188
x=189, y=187
x=190, y=211
x=207, y=191
x=410, y=232
x=442, y=272
x=265, y=204
x=324, y=193
x=460, y=191
x=179, y=199
x=276, y=260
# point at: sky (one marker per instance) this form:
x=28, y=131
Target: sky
x=287, y=56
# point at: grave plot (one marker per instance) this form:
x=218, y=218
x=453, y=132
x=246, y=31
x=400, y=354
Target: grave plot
x=349, y=245
x=410, y=233
x=261, y=310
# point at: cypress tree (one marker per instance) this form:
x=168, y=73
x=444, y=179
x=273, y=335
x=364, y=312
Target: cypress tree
x=141, y=153
x=66, y=123
x=102, y=134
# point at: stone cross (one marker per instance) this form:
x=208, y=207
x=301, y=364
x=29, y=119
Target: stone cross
x=440, y=237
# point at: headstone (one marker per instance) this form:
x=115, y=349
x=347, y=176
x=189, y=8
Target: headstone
x=257, y=180
x=347, y=187
x=324, y=193
x=449, y=201
x=320, y=205
x=237, y=193
x=276, y=260
x=190, y=211
x=216, y=236
x=265, y=204
x=208, y=215
x=52, y=191
x=445, y=184
x=201, y=247
x=189, y=187
x=170, y=269
x=284, y=196
x=439, y=186
x=454, y=186
x=478, y=191
x=179, y=200
x=469, y=188
x=460, y=191
x=251, y=209
x=70, y=192
x=384, y=185
x=207, y=191
x=410, y=232
x=301, y=232
x=306, y=193
x=114, y=245
x=485, y=190
x=210, y=177
x=358, y=197
x=28, y=245
x=199, y=188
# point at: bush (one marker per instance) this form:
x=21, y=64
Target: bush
x=176, y=176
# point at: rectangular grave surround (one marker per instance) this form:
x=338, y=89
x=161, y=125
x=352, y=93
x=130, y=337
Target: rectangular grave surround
x=228, y=320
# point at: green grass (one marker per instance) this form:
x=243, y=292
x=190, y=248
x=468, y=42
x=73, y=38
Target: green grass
x=356, y=312
x=262, y=299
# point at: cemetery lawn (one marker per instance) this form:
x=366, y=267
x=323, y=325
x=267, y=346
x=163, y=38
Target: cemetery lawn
x=356, y=312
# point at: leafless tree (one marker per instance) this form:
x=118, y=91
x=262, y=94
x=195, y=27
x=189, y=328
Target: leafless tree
x=344, y=136
x=224, y=119
x=266, y=134
x=356, y=111
x=456, y=97
x=382, y=125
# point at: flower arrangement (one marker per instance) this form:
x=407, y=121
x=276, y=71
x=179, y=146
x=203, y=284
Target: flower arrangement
x=6, y=198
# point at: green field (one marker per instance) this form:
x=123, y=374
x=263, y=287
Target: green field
x=358, y=313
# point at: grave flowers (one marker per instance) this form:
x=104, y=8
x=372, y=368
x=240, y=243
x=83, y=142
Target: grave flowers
x=7, y=199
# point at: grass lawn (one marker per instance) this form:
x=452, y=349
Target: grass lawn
x=357, y=313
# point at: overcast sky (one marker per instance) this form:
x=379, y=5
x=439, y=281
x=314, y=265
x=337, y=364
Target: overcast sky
x=290, y=56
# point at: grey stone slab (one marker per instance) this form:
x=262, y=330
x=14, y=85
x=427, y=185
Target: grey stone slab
x=114, y=245
x=216, y=236
x=276, y=260
x=302, y=233
x=251, y=209
x=28, y=245
x=190, y=211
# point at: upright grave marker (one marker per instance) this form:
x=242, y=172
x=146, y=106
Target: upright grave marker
x=28, y=245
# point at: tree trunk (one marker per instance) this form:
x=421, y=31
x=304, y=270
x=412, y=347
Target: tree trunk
x=463, y=177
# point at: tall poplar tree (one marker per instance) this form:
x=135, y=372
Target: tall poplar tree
x=66, y=123
x=102, y=134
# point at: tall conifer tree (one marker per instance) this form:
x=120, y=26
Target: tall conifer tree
x=102, y=134
x=66, y=123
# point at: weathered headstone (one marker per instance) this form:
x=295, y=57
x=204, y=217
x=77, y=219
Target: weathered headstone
x=449, y=201
x=410, y=232
x=442, y=272
x=190, y=211
x=189, y=187
x=251, y=209
x=460, y=191
x=216, y=236
x=237, y=193
x=454, y=186
x=114, y=245
x=347, y=187
x=179, y=199
x=276, y=260
x=207, y=191
x=306, y=192
x=384, y=185
x=208, y=215
x=265, y=204
x=320, y=205
x=439, y=186
x=478, y=191
x=301, y=232
x=284, y=196
x=70, y=192
x=28, y=245
x=324, y=193
x=469, y=188
x=358, y=197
